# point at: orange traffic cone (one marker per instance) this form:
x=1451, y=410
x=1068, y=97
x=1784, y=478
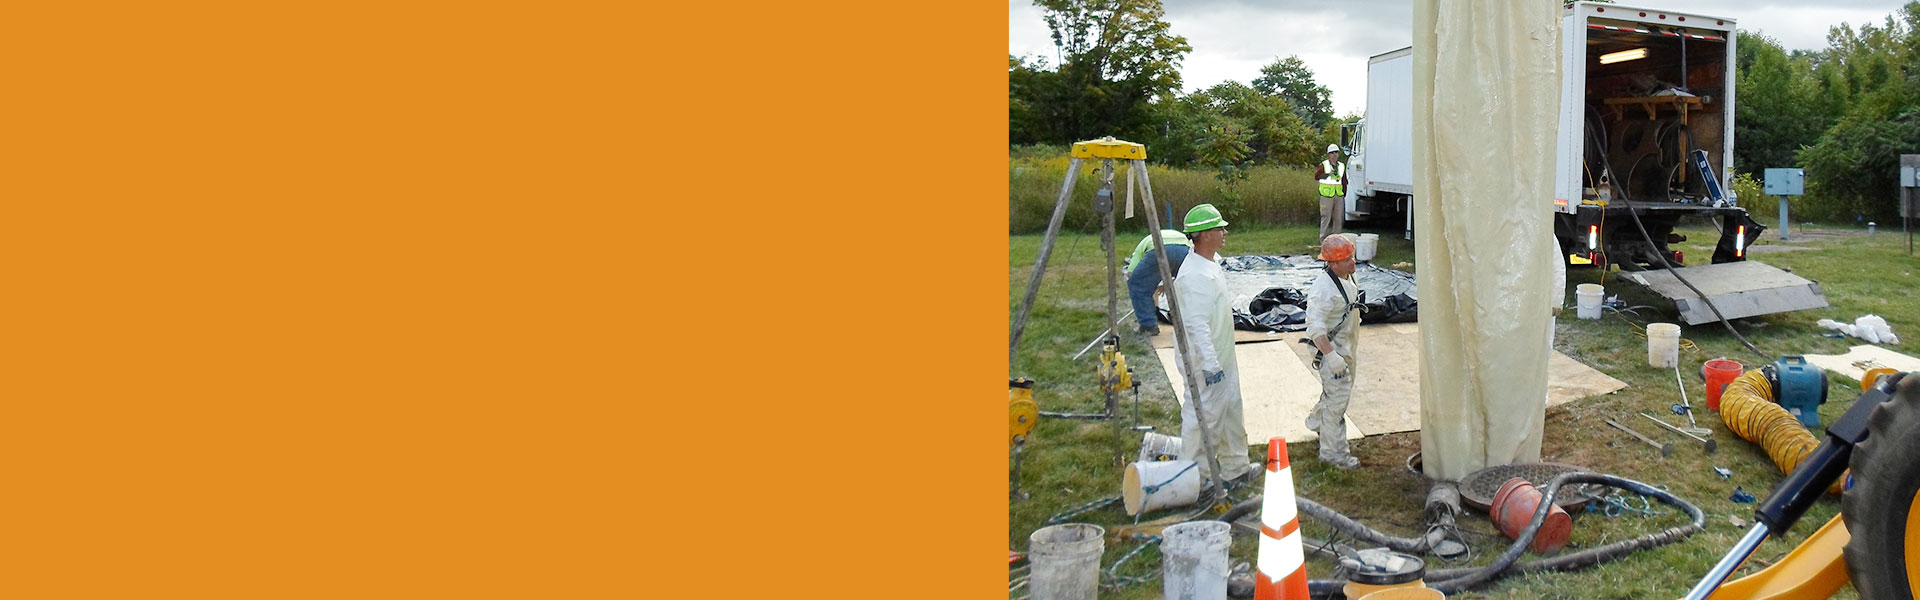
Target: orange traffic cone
x=1282, y=560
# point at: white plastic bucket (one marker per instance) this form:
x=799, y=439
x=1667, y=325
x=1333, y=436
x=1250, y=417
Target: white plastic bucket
x=1588, y=296
x=1159, y=446
x=1194, y=560
x=1173, y=483
x=1364, y=249
x=1066, y=561
x=1663, y=345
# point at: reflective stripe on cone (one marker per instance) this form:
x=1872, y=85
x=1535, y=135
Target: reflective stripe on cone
x=1282, y=561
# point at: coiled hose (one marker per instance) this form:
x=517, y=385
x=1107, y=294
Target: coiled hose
x=1451, y=581
x=1748, y=409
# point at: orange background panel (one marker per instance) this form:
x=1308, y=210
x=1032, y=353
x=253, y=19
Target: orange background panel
x=463, y=300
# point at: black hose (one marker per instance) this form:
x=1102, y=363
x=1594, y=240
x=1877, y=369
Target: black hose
x=1410, y=545
x=1676, y=274
x=1344, y=524
x=1450, y=581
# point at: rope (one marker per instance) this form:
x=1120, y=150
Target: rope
x=1113, y=578
x=1748, y=410
x=1081, y=510
x=1149, y=490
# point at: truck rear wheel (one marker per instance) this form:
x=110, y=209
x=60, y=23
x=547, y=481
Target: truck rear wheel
x=1882, y=510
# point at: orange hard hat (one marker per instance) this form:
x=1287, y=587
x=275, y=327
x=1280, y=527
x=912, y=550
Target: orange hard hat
x=1336, y=248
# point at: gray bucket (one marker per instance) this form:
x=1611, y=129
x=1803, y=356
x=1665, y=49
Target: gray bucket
x=1066, y=561
x=1194, y=560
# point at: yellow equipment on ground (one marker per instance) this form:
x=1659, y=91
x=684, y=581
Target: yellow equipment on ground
x=1115, y=376
x=1022, y=415
x=1023, y=412
x=1874, y=543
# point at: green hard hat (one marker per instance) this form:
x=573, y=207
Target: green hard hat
x=1202, y=218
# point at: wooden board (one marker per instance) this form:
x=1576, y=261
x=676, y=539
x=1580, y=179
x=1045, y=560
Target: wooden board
x=1386, y=395
x=1842, y=364
x=1738, y=289
x=1165, y=339
x=1276, y=392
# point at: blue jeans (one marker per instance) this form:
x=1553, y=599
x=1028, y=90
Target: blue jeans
x=1144, y=278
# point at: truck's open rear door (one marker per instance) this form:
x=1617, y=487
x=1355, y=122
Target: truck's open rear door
x=1739, y=289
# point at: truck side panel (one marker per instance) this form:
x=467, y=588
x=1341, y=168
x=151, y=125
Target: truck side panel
x=1389, y=160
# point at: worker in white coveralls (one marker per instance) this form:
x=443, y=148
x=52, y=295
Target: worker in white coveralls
x=1206, y=313
x=1333, y=316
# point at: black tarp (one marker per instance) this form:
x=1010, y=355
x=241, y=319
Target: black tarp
x=1281, y=300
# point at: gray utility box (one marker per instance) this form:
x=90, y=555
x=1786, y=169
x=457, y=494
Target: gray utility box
x=1785, y=182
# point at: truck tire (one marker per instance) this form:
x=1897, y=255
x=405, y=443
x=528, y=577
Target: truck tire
x=1882, y=510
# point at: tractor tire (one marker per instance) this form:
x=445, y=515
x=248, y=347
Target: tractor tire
x=1882, y=510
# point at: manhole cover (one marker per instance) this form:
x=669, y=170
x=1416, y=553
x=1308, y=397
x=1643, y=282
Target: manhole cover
x=1478, y=488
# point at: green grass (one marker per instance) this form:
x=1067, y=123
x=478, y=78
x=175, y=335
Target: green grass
x=1068, y=463
x=1269, y=195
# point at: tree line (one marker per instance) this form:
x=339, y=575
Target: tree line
x=1843, y=113
x=1118, y=74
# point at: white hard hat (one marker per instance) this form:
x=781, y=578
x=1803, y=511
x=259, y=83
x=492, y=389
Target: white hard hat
x=1333, y=147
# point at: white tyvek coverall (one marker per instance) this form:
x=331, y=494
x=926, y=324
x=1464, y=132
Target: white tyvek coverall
x=1325, y=307
x=1206, y=312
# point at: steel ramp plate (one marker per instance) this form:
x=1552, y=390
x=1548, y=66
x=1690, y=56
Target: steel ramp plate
x=1739, y=289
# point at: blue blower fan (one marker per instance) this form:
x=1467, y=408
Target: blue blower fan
x=1798, y=386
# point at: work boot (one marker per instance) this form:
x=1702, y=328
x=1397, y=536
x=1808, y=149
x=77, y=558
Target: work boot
x=1147, y=331
x=1344, y=461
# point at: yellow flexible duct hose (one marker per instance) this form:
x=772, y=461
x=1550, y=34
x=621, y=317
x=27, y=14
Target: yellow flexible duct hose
x=1747, y=408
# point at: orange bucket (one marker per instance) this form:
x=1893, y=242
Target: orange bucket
x=1719, y=372
x=1513, y=508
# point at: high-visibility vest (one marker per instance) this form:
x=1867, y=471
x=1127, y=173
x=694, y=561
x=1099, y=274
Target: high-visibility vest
x=1330, y=185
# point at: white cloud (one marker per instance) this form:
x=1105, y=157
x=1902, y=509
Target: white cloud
x=1232, y=39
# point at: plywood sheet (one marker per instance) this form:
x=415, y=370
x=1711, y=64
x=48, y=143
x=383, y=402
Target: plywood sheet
x=1276, y=391
x=1842, y=364
x=1386, y=395
x=1165, y=339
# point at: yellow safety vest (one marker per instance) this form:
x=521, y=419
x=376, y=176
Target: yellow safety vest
x=1330, y=186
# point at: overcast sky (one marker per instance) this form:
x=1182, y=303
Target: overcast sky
x=1232, y=39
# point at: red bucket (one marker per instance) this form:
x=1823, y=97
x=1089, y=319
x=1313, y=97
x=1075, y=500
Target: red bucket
x=1513, y=508
x=1719, y=372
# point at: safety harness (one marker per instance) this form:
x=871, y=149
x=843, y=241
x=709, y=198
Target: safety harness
x=1344, y=315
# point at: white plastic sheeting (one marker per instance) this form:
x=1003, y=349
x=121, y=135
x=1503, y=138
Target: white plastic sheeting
x=1486, y=88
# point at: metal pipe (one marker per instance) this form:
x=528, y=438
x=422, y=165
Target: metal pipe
x=1728, y=563
x=1180, y=342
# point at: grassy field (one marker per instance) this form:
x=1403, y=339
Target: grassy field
x=1270, y=194
x=1069, y=463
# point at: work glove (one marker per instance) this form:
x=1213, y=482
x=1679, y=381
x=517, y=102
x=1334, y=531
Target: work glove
x=1334, y=364
x=1213, y=377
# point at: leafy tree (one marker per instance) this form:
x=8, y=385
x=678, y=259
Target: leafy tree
x=1876, y=70
x=1290, y=79
x=1780, y=108
x=1117, y=55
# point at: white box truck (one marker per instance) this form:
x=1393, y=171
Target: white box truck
x=1646, y=112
